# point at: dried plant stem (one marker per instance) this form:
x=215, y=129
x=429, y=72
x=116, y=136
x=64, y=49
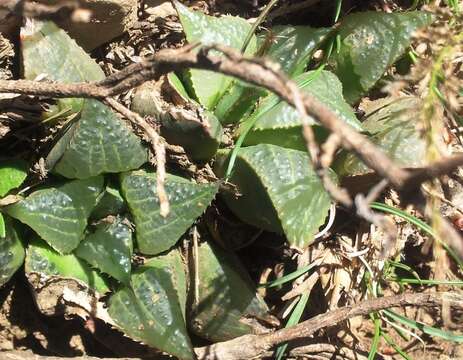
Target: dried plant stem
x=158, y=144
x=254, y=346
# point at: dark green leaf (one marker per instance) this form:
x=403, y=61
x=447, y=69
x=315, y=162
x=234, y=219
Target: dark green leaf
x=46, y=49
x=173, y=263
x=208, y=87
x=109, y=249
x=187, y=124
x=100, y=142
x=370, y=43
x=392, y=124
x=187, y=200
x=42, y=259
x=228, y=305
x=151, y=310
x=278, y=123
x=279, y=190
x=238, y=101
x=11, y=252
x=110, y=203
x=292, y=46
x=59, y=214
x=12, y=175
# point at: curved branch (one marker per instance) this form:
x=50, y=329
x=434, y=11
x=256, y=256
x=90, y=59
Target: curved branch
x=253, y=346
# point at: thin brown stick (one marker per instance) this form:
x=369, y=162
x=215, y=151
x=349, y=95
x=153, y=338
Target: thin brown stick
x=64, y=9
x=255, y=71
x=159, y=149
x=253, y=346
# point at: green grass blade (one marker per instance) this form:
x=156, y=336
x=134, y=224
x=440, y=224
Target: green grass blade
x=418, y=223
x=293, y=320
x=376, y=338
x=289, y=277
x=428, y=282
x=396, y=347
x=446, y=335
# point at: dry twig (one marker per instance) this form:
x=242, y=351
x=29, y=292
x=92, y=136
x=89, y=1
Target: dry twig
x=256, y=71
x=254, y=346
x=159, y=148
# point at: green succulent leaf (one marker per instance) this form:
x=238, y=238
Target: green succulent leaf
x=370, y=43
x=293, y=46
x=391, y=124
x=110, y=202
x=208, y=87
x=42, y=259
x=276, y=122
x=109, y=248
x=187, y=124
x=46, y=49
x=59, y=214
x=11, y=251
x=155, y=233
x=151, y=310
x=228, y=305
x=99, y=142
x=173, y=263
x=12, y=175
x=279, y=192
x=237, y=102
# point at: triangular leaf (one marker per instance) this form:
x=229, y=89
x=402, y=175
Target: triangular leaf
x=155, y=233
x=59, y=214
x=151, y=310
x=46, y=49
x=183, y=121
x=110, y=203
x=109, y=249
x=12, y=175
x=276, y=122
x=207, y=86
x=100, y=143
x=392, y=124
x=173, y=263
x=279, y=191
x=370, y=43
x=43, y=260
x=228, y=305
x=11, y=252
x=292, y=46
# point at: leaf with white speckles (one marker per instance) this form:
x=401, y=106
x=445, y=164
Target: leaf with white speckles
x=187, y=200
x=59, y=214
x=392, y=125
x=370, y=43
x=280, y=192
x=49, y=50
x=292, y=46
x=99, y=142
x=43, y=260
x=228, y=305
x=207, y=86
x=276, y=122
x=109, y=249
x=152, y=309
x=11, y=251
